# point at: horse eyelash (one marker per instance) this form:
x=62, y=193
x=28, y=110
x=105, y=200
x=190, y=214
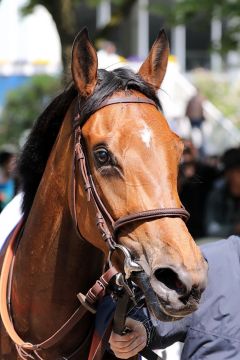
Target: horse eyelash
x=110, y=171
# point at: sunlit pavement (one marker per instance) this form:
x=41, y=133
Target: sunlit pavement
x=171, y=353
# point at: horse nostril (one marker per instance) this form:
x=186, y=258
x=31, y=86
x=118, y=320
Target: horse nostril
x=170, y=279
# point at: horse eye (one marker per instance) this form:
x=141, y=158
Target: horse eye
x=102, y=156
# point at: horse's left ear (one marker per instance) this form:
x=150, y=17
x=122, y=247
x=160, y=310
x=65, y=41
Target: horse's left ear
x=154, y=67
x=84, y=64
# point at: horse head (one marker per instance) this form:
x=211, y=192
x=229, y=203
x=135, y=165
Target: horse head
x=133, y=158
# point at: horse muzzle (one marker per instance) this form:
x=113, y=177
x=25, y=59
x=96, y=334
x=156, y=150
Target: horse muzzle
x=165, y=303
x=169, y=292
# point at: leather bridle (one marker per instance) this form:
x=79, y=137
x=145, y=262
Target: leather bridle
x=107, y=226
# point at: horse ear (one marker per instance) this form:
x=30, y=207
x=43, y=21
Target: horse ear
x=84, y=64
x=154, y=67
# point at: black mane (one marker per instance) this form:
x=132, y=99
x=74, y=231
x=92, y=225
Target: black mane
x=38, y=147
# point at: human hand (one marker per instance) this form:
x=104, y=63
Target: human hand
x=130, y=344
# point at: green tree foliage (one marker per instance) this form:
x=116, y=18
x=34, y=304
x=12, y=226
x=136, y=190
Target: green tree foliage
x=24, y=104
x=221, y=91
x=201, y=12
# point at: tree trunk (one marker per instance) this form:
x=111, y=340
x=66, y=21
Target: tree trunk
x=63, y=14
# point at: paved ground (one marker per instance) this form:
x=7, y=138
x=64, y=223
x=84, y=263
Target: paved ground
x=171, y=353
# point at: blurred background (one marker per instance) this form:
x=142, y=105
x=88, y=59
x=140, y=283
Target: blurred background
x=35, y=45
x=200, y=94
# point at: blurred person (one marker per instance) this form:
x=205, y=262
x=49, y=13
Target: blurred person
x=195, y=182
x=223, y=205
x=210, y=333
x=213, y=160
x=195, y=114
x=194, y=110
x=107, y=55
x=8, y=184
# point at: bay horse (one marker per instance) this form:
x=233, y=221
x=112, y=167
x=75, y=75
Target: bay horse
x=133, y=158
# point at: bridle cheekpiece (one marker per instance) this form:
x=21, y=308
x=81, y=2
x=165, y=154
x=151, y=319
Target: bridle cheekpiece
x=104, y=220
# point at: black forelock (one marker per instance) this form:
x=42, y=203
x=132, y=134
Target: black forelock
x=109, y=82
x=34, y=156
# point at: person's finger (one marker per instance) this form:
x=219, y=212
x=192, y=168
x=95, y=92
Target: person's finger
x=119, y=346
x=131, y=346
x=135, y=326
x=121, y=338
x=128, y=346
x=130, y=353
x=125, y=344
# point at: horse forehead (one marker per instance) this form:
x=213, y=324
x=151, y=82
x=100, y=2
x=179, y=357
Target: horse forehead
x=146, y=135
x=132, y=122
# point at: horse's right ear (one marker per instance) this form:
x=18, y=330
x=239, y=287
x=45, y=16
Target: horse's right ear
x=84, y=64
x=154, y=67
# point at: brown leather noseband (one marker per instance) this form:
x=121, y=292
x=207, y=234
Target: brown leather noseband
x=103, y=217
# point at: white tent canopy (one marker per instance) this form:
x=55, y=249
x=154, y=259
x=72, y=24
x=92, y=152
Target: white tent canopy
x=27, y=40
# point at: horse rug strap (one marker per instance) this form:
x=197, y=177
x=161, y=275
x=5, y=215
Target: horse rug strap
x=102, y=328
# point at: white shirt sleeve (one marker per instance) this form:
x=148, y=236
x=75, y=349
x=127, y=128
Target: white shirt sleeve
x=9, y=217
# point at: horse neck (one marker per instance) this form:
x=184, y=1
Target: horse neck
x=53, y=263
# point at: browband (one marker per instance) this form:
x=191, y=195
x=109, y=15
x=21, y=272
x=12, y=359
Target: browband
x=116, y=100
x=125, y=100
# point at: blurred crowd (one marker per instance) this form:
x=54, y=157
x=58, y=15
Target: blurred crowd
x=209, y=188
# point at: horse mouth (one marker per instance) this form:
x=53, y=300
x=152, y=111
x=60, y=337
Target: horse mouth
x=176, y=313
x=163, y=309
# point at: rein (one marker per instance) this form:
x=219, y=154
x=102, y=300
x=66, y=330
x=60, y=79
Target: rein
x=108, y=228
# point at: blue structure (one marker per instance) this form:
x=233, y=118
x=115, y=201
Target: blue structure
x=8, y=83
